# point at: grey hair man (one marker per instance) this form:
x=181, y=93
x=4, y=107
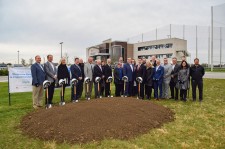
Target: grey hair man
x=88, y=72
x=51, y=74
x=166, y=78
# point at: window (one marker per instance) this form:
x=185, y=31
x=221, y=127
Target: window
x=152, y=47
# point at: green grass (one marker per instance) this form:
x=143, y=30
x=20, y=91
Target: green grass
x=196, y=125
x=215, y=69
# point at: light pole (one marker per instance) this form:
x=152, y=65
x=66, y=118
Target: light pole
x=61, y=48
x=18, y=56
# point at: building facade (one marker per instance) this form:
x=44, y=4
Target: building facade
x=170, y=47
x=110, y=49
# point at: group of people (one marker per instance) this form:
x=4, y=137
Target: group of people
x=161, y=78
x=130, y=79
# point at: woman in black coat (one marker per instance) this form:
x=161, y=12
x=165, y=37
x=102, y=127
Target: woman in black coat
x=118, y=74
x=63, y=73
x=148, y=79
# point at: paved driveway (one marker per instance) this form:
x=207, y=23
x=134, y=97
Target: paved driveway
x=215, y=75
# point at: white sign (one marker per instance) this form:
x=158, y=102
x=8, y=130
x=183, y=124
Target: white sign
x=20, y=80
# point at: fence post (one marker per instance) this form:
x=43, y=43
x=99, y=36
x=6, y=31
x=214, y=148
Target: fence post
x=220, y=47
x=183, y=31
x=211, y=38
x=196, y=41
x=209, y=47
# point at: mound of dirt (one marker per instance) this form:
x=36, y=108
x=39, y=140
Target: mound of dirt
x=95, y=120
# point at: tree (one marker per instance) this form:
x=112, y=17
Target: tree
x=66, y=57
x=23, y=61
x=31, y=60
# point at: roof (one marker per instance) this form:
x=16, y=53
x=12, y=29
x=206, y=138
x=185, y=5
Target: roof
x=3, y=65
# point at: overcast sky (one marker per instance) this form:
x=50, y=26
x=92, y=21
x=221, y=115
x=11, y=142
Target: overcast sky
x=38, y=26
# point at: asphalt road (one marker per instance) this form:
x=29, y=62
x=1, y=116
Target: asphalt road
x=212, y=75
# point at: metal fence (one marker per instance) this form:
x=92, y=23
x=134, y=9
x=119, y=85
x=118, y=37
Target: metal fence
x=200, y=42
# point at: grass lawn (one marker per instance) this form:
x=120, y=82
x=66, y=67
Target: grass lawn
x=215, y=69
x=196, y=125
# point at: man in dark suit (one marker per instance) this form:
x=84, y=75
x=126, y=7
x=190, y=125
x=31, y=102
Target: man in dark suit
x=140, y=72
x=81, y=64
x=77, y=74
x=158, y=79
x=107, y=73
x=38, y=77
x=196, y=73
x=173, y=81
x=98, y=72
x=128, y=70
x=51, y=74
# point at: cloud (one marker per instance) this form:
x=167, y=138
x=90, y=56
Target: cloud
x=37, y=27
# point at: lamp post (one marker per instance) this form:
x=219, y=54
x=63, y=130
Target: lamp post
x=18, y=56
x=61, y=48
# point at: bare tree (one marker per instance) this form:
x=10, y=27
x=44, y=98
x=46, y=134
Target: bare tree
x=31, y=60
x=23, y=61
x=66, y=57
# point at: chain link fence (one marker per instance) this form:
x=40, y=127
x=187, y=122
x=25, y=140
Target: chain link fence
x=199, y=38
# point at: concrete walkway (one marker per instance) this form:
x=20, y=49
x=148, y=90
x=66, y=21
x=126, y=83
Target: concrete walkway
x=211, y=75
x=3, y=78
x=215, y=75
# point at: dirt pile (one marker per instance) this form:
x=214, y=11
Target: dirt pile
x=95, y=120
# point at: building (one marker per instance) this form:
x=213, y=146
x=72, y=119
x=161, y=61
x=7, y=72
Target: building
x=3, y=66
x=170, y=47
x=110, y=49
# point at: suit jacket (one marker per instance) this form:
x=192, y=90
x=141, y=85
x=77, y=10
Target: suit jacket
x=38, y=74
x=197, y=72
x=183, y=77
x=98, y=73
x=141, y=71
x=167, y=73
x=82, y=70
x=107, y=71
x=76, y=72
x=117, y=79
x=50, y=72
x=149, y=76
x=63, y=73
x=158, y=75
x=88, y=70
x=175, y=73
x=127, y=71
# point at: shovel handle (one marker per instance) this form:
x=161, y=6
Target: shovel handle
x=62, y=91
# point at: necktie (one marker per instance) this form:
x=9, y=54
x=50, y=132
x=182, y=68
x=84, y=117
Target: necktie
x=41, y=67
x=91, y=68
x=138, y=67
x=78, y=67
x=100, y=67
